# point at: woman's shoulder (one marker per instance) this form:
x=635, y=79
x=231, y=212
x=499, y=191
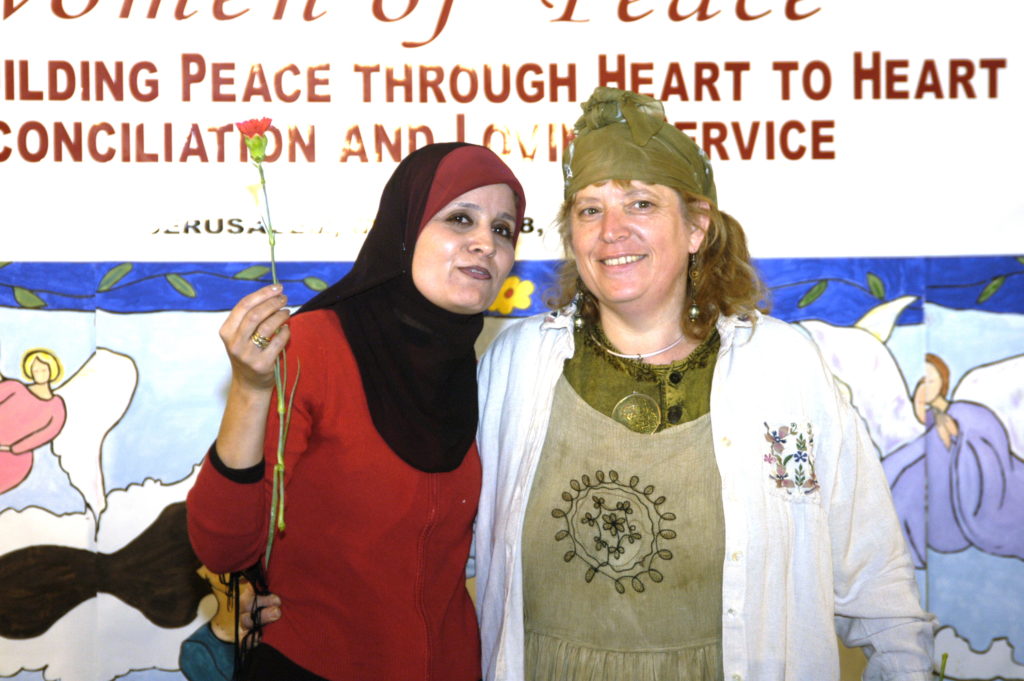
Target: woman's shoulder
x=315, y=319
x=528, y=344
x=526, y=331
x=309, y=327
x=776, y=328
x=776, y=340
x=312, y=333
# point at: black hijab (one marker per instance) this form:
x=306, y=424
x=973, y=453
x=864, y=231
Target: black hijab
x=416, y=359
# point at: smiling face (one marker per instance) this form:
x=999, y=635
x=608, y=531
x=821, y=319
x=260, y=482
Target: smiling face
x=465, y=252
x=632, y=244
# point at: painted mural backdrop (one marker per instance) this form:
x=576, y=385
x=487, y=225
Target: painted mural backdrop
x=871, y=150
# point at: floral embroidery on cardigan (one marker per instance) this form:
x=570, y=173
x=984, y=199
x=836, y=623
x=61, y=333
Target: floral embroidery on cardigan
x=622, y=536
x=790, y=458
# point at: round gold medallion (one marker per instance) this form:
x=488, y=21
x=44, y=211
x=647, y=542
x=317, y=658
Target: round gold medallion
x=638, y=412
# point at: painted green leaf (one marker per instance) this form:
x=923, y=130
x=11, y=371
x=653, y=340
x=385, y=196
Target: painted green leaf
x=4, y=264
x=26, y=298
x=991, y=288
x=813, y=294
x=254, y=272
x=315, y=283
x=180, y=285
x=114, y=275
x=1020, y=259
x=876, y=286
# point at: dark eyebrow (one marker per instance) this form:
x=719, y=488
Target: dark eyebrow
x=468, y=204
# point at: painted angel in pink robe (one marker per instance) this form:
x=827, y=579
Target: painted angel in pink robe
x=31, y=415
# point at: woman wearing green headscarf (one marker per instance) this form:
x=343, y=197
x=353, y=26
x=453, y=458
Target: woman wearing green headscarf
x=673, y=486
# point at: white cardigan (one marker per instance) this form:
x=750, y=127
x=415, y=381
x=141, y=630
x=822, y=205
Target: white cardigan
x=800, y=562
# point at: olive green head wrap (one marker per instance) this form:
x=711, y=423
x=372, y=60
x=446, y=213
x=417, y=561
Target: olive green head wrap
x=624, y=136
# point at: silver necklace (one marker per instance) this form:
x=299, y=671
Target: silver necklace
x=638, y=355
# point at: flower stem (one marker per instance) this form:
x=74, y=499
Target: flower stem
x=270, y=226
x=277, y=523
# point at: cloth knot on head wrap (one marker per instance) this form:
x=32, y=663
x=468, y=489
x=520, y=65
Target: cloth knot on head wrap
x=624, y=136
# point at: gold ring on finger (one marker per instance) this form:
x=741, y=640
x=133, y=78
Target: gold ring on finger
x=259, y=341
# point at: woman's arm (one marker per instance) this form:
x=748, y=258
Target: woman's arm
x=240, y=439
x=227, y=507
x=877, y=602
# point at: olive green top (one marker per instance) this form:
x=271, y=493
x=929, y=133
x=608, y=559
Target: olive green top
x=678, y=392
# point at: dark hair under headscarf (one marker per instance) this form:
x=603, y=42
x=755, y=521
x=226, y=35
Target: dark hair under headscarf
x=416, y=360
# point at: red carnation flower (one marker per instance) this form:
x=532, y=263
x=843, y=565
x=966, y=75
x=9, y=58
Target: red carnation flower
x=253, y=127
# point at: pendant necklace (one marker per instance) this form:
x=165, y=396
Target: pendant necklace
x=639, y=356
x=638, y=412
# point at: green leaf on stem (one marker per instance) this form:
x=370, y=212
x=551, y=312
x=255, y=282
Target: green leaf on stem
x=315, y=283
x=114, y=275
x=181, y=285
x=251, y=273
x=876, y=286
x=27, y=298
x=991, y=288
x=813, y=294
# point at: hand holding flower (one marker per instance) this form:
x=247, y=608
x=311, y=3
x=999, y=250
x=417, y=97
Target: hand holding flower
x=262, y=312
x=264, y=316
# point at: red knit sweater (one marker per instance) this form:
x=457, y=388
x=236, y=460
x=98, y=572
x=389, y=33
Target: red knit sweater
x=371, y=567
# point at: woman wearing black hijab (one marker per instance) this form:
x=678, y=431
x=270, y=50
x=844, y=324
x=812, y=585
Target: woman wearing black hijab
x=382, y=475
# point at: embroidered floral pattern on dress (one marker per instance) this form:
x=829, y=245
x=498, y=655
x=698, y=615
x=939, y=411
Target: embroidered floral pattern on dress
x=790, y=459
x=616, y=529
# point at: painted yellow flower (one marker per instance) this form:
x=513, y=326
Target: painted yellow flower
x=515, y=295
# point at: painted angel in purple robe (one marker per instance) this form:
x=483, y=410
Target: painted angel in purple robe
x=959, y=484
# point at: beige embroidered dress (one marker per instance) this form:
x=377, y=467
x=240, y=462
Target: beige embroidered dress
x=623, y=539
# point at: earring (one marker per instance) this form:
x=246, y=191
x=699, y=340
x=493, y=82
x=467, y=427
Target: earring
x=694, y=312
x=577, y=301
